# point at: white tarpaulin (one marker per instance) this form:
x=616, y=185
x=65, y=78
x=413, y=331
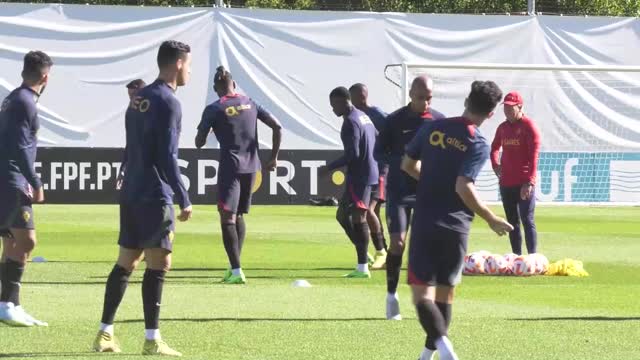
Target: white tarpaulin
x=289, y=61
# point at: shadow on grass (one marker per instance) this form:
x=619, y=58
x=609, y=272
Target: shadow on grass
x=578, y=318
x=266, y=269
x=53, y=354
x=203, y=320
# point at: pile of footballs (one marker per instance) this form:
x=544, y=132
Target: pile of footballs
x=486, y=263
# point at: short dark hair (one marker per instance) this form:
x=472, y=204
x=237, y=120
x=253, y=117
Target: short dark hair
x=136, y=84
x=222, y=77
x=484, y=97
x=36, y=64
x=170, y=51
x=357, y=86
x=340, y=92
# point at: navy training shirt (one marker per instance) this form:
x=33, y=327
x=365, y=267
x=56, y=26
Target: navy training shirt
x=378, y=117
x=448, y=148
x=400, y=128
x=18, y=140
x=358, y=135
x=234, y=122
x=153, y=124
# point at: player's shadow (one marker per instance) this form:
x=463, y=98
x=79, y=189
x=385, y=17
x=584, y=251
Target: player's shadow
x=72, y=282
x=53, y=354
x=205, y=320
x=580, y=318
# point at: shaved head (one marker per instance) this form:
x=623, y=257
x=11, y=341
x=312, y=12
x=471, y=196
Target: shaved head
x=421, y=93
x=359, y=94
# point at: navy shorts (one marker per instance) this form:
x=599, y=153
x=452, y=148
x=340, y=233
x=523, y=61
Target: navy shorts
x=234, y=192
x=147, y=226
x=16, y=212
x=436, y=255
x=357, y=195
x=398, y=212
x=379, y=191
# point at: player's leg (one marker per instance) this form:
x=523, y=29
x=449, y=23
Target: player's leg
x=158, y=264
x=377, y=238
x=7, y=242
x=115, y=288
x=343, y=215
x=11, y=311
x=435, y=263
x=360, y=198
x=398, y=217
x=156, y=232
x=228, y=201
x=527, y=211
x=380, y=219
x=510, y=198
x=244, y=204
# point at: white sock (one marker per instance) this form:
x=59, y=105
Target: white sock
x=236, y=272
x=152, y=334
x=445, y=348
x=392, y=296
x=5, y=304
x=427, y=354
x=363, y=267
x=108, y=328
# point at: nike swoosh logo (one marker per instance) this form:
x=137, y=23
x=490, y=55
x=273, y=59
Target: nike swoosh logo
x=158, y=304
x=406, y=131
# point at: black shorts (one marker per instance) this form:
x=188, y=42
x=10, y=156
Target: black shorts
x=356, y=195
x=398, y=212
x=436, y=255
x=147, y=226
x=234, y=192
x=379, y=191
x=15, y=211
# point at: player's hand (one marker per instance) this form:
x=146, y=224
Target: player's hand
x=185, y=214
x=498, y=171
x=38, y=195
x=500, y=226
x=526, y=191
x=272, y=164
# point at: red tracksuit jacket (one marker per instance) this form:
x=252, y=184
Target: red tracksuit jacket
x=520, y=143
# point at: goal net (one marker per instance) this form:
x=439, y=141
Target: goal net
x=588, y=116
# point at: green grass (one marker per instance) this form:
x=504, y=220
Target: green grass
x=494, y=318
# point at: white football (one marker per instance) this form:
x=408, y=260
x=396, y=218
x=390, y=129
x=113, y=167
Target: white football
x=475, y=264
x=542, y=263
x=523, y=266
x=493, y=264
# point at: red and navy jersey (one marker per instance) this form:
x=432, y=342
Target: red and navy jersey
x=399, y=129
x=153, y=123
x=358, y=135
x=447, y=148
x=233, y=119
x=18, y=140
x=520, y=143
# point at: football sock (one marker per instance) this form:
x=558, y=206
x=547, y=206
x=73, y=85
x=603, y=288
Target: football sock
x=361, y=241
x=152, y=297
x=12, y=277
x=394, y=263
x=117, y=283
x=230, y=240
x=242, y=231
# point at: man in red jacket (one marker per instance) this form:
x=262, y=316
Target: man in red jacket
x=519, y=139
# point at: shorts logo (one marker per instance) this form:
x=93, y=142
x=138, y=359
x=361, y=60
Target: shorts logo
x=26, y=216
x=364, y=119
x=171, y=236
x=438, y=138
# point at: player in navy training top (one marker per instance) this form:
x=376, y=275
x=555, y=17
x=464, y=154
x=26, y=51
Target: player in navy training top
x=234, y=120
x=20, y=186
x=151, y=181
x=400, y=128
x=358, y=136
x=445, y=157
x=359, y=98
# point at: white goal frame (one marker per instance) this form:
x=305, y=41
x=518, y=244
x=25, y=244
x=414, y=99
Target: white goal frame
x=405, y=83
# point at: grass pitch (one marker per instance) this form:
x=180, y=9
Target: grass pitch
x=494, y=317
